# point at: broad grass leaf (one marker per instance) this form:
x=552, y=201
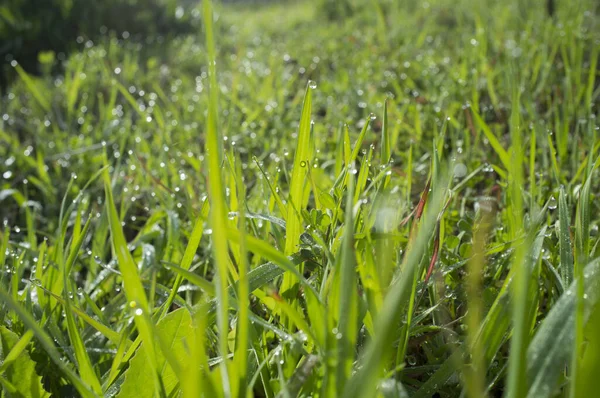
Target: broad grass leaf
x=553, y=344
x=21, y=372
x=173, y=329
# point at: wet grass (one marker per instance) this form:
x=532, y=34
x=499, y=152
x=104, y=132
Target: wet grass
x=399, y=204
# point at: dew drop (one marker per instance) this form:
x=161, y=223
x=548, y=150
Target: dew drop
x=552, y=203
x=460, y=170
x=312, y=84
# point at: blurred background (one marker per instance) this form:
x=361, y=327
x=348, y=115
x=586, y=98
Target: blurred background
x=35, y=32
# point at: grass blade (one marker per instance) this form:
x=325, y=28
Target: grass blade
x=566, y=252
x=347, y=297
x=134, y=290
x=218, y=213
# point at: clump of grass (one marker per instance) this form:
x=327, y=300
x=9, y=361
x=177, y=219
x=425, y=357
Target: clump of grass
x=200, y=219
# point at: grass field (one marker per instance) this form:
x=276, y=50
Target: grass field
x=307, y=199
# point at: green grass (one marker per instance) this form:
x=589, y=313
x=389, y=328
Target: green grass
x=400, y=202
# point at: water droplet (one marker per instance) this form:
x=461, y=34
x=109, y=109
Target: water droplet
x=36, y=282
x=552, y=203
x=303, y=163
x=132, y=304
x=412, y=361
x=312, y=84
x=460, y=170
x=372, y=116
x=139, y=312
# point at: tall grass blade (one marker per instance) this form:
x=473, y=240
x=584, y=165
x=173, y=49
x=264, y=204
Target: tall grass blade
x=134, y=289
x=218, y=213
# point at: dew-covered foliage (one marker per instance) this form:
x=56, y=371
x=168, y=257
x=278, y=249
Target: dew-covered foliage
x=308, y=198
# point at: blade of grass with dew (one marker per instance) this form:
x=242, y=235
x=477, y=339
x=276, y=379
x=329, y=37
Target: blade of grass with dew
x=566, y=252
x=134, y=290
x=348, y=297
x=240, y=357
x=359, y=140
x=84, y=363
x=218, y=215
x=297, y=183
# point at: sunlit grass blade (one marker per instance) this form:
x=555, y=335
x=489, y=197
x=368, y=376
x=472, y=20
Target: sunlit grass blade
x=84, y=363
x=347, y=296
x=295, y=204
x=242, y=328
x=134, y=290
x=218, y=212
